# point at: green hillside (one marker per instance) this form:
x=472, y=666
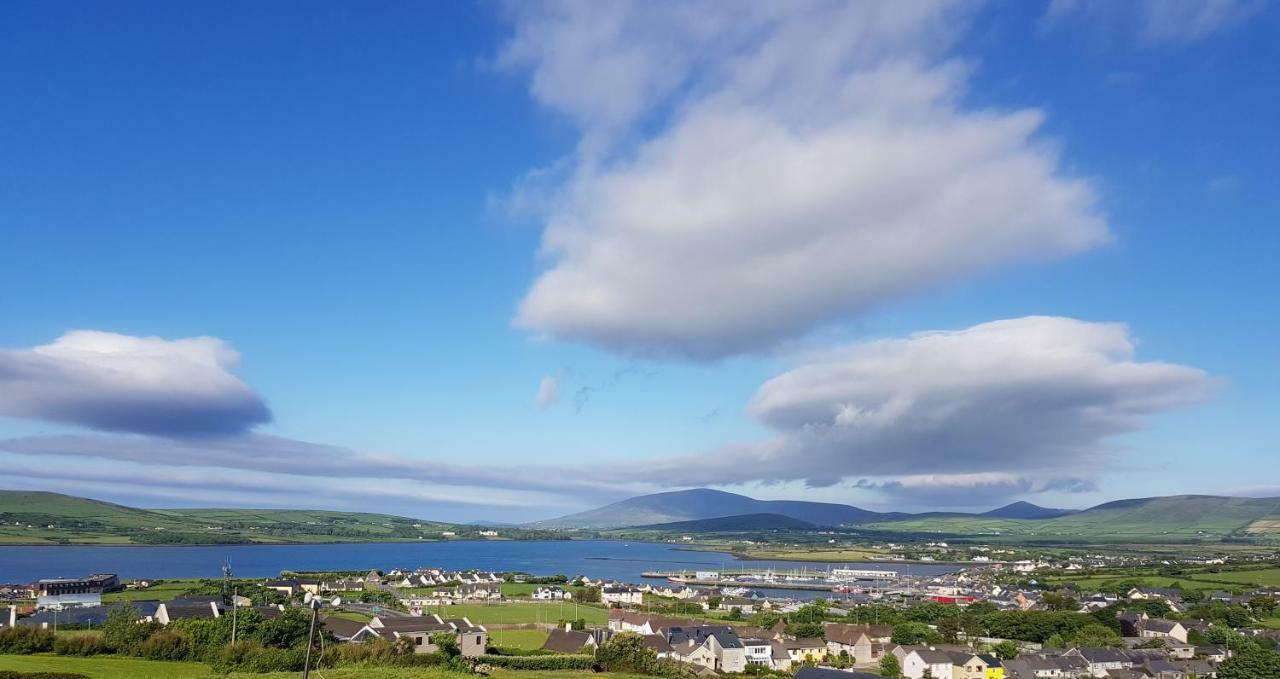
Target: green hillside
x=51, y=518
x=742, y=523
x=1175, y=518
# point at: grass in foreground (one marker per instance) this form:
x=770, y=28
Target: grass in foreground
x=134, y=668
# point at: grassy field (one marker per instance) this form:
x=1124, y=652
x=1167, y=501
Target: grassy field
x=522, y=639
x=163, y=591
x=132, y=668
x=832, y=555
x=1242, y=579
x=521, y=613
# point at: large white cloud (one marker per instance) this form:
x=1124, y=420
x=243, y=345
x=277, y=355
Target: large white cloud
x=749, y=171
x=121, y=383
x=1029, y=402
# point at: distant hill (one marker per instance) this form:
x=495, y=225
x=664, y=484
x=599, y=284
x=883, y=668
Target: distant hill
x=704, y=503
x=53, y=518
x=1173, y=518
x=1026, y=510
x=726, y=524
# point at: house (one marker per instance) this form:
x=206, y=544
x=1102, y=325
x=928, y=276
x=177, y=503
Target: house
x=570, y=641
x=853, y=640
x=965, y=665
x=621, y=594
x=472, y=639
x=805, y=650
x=341, y=628
x=1159, y=628
x=645, y=623
x=715, y=647
x=937, y=663
x=169, y=611
x=995, y=667
x=551, y=594
x=740, y=604
x=293, y=586
x=757, y=651
x=1102, y=660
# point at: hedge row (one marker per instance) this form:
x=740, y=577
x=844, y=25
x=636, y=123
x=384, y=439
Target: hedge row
x=538, y=662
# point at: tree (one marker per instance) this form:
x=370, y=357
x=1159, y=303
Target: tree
x=122, y=632
x=446, y=643
x=287, y=630
x=713, y=602
x=626, y=652
x=950, y=629
x=1057, y=601
x=1006, y=650
x=1251, y=664
x=1095, y=636
x=1263, y=605
x=912, y=633
x=587, y=595
x=890, y=666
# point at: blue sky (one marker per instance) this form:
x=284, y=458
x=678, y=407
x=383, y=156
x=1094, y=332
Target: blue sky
x=405, y=216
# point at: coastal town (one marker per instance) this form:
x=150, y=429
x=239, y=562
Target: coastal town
x=1016, y=620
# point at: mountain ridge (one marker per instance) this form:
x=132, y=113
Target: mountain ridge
x=1179, y=517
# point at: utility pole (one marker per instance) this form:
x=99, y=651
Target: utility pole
x=234, y=596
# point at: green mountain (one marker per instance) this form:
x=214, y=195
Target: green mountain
x=28, y=517
x=730, y=524
x=1173, y=518
x=704, y=503
x=1026, y=510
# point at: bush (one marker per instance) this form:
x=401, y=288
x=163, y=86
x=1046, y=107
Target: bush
x=538, y=662
x=24, y=640
x=251, y=656
x=80, y=644
x=166, y=645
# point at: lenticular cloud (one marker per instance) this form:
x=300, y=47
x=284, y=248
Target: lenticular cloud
x=121, y=383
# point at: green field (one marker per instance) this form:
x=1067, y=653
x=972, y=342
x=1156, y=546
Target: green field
x=163, y=591
x=1203, y=580
x=521, y=613
x=132, y=668
x=521, y=639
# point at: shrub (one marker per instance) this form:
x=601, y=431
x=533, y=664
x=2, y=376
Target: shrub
x=80, y=644
x=25, y=640
x=251, y=656
x=538, y=662
x=166, y=645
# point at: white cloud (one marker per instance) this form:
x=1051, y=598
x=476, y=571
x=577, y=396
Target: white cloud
x=548, y=392
x=750, y=171
x=1027, y=402
x=113, y=382
x=1159, y=21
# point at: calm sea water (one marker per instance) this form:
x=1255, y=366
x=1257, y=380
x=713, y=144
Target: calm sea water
x=596, y=558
